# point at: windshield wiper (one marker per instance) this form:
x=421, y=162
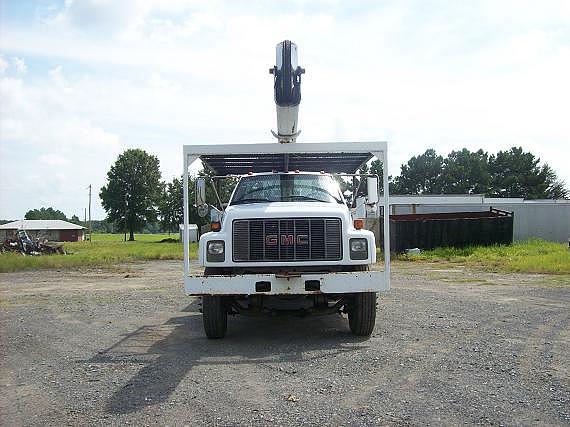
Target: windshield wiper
x=252, y=200
x=299, y=197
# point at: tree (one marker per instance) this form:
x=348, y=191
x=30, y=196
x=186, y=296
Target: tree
x=171, y=201
x=347, y=185
x=421, y=175
x=515, y=173
x=132, y=191
x=556, y=187
x=224, y=187
x=45, y=213
x=376, y=168
x=75, y=219
x=170, y=205
x=465, y=172
x=102, y=226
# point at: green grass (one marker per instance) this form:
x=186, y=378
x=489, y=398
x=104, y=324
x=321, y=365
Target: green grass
x=531, y=256
x=108, y=237
x=106, y=250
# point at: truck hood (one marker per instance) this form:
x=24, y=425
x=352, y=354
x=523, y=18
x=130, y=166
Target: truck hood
x=286, y=210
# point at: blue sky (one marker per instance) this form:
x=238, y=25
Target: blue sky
x=81, y=81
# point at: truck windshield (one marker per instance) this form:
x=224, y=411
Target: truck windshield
x=287, y=188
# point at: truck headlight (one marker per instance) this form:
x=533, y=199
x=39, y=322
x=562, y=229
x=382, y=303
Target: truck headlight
x=215, y=251
x=358, y=249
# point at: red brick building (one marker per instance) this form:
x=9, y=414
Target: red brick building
x=54, y=230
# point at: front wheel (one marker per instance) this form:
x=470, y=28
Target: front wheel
x=362, y=313
x=214, y=316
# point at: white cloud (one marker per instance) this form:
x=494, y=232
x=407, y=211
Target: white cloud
x=52, y=159
x=57, y=77
x=61, y=150
x=3, y=65
x=83, y=16
x=20, y=65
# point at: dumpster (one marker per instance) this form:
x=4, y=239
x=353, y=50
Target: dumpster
x=457, y=229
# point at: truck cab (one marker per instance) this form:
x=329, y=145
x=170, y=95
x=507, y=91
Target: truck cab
x=292, y=222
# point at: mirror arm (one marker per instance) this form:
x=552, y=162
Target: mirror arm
x=217, y=195
x=200, y=192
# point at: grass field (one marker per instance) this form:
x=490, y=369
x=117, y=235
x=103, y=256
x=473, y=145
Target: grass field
x=531, y=256
x=106, y=250
x=108, y=237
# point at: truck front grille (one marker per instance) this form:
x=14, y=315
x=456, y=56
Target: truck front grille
x=287, y=239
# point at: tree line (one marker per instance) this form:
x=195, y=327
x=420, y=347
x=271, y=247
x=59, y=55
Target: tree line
x=510, y=173
x=135, y=198
x=100, y=226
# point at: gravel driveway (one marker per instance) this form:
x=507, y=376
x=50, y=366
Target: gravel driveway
x=126, y=346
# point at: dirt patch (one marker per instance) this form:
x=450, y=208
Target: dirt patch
x=450, y=346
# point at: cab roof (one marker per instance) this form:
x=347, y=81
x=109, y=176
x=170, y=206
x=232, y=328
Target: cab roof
x=239, y=164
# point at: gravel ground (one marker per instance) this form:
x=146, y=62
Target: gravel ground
x=127, y=347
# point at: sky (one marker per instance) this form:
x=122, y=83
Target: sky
x=83, y=80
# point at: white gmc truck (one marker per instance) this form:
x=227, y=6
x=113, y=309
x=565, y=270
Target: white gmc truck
x=286, y=242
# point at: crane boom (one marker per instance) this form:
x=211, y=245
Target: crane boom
x=287, y=89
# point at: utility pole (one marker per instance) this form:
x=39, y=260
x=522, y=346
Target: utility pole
x=125, y=236
x=90, y=231
x=90, y=228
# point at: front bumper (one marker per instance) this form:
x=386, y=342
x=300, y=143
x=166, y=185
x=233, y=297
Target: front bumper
x=328, y=283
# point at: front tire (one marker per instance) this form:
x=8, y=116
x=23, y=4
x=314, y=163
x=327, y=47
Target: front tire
x=362, y=313
x=214, y=316
x=214, y=311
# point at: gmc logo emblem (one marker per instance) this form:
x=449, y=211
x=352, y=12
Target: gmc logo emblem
x=286, y=239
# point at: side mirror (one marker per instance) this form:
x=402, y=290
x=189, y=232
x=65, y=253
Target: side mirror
x=200, y=192
x=372, y=182
x=215, y=215
x=203, y=210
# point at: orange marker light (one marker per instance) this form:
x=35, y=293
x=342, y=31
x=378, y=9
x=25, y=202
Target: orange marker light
x=216, y=226
x=358, y=224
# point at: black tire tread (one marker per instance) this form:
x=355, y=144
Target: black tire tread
x=214, y=316
x=362, y=314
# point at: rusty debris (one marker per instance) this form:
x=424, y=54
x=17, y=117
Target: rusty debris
x=26, y=246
